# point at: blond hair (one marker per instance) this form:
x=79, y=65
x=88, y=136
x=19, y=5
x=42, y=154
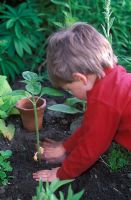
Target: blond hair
x=80, y=48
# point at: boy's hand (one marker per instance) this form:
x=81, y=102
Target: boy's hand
x=54, y=152
x=46, y=175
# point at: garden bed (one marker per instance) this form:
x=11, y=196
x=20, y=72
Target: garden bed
x=98, y=182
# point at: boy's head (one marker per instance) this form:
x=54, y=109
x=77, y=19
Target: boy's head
x=80, y=48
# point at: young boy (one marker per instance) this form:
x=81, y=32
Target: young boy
x=81, y=60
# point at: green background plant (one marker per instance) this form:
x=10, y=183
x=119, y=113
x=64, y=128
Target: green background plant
x=20, y=29
x=5, y=166
x=8, y=99
x=118, y=158
x=71, y=105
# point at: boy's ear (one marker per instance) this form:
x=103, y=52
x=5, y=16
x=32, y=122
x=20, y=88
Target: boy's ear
x=80, y=77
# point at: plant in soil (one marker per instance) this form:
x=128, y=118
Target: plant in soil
x=48, y=192
x=5, y=166
x=118, y=159
x=33, y=87
x=34, y=92
x=21, y=35
x=8, y=99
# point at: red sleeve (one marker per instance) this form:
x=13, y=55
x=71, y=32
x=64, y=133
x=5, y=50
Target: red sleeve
x=98, y=130
x=71, y=142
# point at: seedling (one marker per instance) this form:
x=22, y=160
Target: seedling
x=34, y=88
x=118, y=159
x=71, y=105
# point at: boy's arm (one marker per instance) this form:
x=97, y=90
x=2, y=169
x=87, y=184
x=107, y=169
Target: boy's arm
x=71, y=142
x=98, y=130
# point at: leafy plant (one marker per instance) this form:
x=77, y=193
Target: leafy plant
x=48, y=192
x=20, y=29
x=33, y=87
x=9, y=66
x=8, y=99
x=5, y=166
x=71, y=105
x=118, y=158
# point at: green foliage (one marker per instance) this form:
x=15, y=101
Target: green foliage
x=118, y=159
x=71, y=105
x=33, y=85
x=20, y=30
x=32, y=81
x=48, y=192
x=8, y=99
x=57, y=14
x=5, y=166
x=25, y=33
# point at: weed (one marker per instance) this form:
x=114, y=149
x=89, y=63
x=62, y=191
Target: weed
x=5, y=166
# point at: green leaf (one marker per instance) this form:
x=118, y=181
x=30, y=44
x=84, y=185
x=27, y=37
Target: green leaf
x=51, y=91
x=30, y=42
x=61, y=3
x=2, y=175
x=18, y=47
x=15, y=93
x=4, y=86
x=3, y=114
x=6, y=154
x=29, y=76
x=5, y=181
x=111, y=21
x=18, y=30
x=11, y=9
x=26, y=47
x=21, y=8
x=64, y=108
x=14, y=111
x=13, y=66
x=70, y=192
x=72, y=101
x=104, y=30
x=61, y=195
x=34, y=89
x=78, y=195
x=57, y=184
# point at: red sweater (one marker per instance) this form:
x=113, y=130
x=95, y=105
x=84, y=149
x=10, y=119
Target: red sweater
x=108, y=117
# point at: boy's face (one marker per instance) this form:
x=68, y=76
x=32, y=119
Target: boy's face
x=77, y=89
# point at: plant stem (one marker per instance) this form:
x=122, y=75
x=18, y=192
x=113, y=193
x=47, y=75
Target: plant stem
x=36, y=128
